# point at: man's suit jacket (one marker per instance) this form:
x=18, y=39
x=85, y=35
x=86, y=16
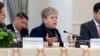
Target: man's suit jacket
x=41, y=32
x=88, y=30
x=23, y=33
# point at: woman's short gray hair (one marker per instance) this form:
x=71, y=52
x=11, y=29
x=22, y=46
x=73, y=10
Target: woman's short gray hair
x=48, y=11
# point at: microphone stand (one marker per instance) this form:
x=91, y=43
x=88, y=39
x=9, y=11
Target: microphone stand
x=73, y=35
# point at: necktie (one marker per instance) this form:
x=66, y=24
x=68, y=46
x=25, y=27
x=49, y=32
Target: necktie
x=99, y=30
x=18, y=37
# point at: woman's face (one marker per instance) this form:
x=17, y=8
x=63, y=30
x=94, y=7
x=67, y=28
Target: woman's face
x=2, y=15
x=51, y=20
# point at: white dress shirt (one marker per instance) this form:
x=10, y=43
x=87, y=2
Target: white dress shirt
x=97, y=25
x=18, y=36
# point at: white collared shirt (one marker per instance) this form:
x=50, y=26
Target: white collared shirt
x=17, y=38
x=97, y=24
x=15, y=28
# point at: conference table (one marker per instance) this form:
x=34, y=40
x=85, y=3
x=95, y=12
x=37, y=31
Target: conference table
x=50, y=51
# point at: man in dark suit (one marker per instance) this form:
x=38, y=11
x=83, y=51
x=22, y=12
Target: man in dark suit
x=19, y=27
x=47, y=29
x=91, y=29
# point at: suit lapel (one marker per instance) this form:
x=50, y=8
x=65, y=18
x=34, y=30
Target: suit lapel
x=12, y=28
x=94, y=29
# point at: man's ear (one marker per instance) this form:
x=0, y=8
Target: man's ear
x=94, y=13
x=16, y=18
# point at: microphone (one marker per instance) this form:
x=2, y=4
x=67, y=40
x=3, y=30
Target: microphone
x=73, y=35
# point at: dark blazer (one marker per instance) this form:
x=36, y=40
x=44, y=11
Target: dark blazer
x=23, y=33
x=41, y=31
x=88, y=30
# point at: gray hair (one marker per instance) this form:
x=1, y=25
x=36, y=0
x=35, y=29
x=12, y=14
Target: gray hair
x=47, y=11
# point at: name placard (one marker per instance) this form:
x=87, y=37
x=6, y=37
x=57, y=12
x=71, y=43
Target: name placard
x=32, y=42
x=94, y=43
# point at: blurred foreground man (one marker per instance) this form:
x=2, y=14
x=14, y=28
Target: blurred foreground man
x=2, y=15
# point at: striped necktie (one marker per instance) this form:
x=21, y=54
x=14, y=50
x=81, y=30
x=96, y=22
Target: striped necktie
x=99, y=30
